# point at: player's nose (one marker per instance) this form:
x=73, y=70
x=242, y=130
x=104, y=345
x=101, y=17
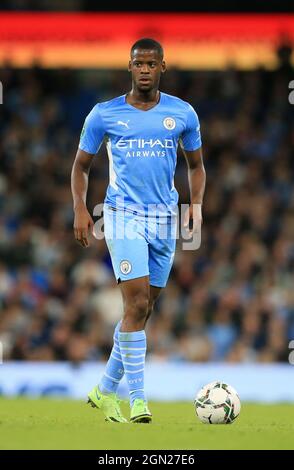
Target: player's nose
x=145, y=69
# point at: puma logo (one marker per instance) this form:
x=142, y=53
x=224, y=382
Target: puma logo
x=126, y=124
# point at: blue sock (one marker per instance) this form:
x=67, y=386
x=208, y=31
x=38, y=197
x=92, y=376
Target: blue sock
x=133, y=351
x=114, y=371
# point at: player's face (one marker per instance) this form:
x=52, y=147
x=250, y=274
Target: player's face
x=146, y=67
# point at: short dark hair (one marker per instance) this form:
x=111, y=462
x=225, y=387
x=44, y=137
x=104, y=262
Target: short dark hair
x=149, y=44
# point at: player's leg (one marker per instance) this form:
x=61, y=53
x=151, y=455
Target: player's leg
x=133, y=345
x=129, y=259
x=135, y=294
x=114, y=370
x=104, y=395
x=160, y=260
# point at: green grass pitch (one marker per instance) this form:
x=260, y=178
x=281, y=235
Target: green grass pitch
x=66, y=424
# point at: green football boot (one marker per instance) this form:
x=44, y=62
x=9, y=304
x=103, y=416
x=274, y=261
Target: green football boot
x=140, y=412
x=108, y=404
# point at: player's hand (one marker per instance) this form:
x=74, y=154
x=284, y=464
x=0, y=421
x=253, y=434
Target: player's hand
x=83, y=221
x=194, y=213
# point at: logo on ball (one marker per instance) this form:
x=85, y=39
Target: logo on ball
x=169, y=123
x=217, y=403
x=125, y=267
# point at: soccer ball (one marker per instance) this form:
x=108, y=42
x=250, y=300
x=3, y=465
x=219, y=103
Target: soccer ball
x=217, y=403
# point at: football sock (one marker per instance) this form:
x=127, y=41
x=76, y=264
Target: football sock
x=133, y=351
x=114, y=370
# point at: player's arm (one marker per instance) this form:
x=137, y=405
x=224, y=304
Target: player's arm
x=79, y=186
x=197, y=180
x=91, y=138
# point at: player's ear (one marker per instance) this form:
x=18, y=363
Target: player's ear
x=130, y=66
x=163, y=66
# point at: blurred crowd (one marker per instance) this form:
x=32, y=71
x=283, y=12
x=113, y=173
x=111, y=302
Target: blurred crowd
x=232, y=300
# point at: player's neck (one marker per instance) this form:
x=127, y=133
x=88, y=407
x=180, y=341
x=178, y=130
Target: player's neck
x=143, y=98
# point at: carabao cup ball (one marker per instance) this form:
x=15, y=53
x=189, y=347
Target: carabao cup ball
x=217, y=403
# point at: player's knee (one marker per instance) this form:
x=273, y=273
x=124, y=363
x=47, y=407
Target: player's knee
x=139, y=306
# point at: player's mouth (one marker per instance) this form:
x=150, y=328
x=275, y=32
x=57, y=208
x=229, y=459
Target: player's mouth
x=145, y=80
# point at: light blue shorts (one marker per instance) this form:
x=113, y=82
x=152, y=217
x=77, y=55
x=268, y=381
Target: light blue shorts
x=139, y=246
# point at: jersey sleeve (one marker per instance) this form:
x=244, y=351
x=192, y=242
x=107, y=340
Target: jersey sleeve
x=191, y=137
x=93, y=132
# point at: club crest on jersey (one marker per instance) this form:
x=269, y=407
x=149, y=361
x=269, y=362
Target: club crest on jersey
x=169, y=123
x=125, y=266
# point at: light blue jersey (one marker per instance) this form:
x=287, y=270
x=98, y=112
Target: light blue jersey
x=142, y=150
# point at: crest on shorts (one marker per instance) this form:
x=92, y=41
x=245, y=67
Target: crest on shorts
x=125, y=266
x=169, y=123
